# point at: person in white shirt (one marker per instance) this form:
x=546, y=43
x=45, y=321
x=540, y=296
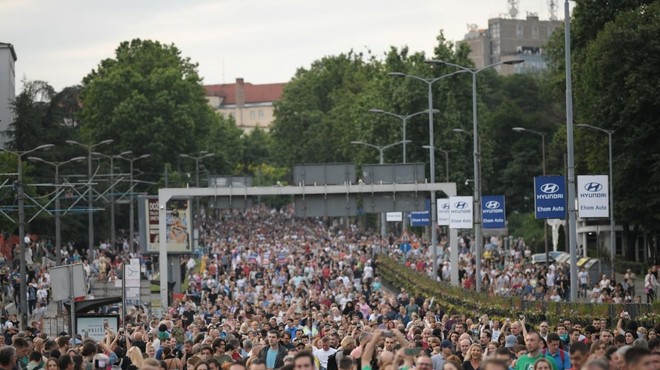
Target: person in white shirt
x=324, y=353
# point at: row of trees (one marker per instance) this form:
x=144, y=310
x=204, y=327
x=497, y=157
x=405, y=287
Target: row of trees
x=148, y=98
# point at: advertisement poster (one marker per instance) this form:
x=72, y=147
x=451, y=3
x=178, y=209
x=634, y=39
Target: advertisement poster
x=178, y=229
x=460, y=213
x=593, y=196
x=549, y=197
x=94, y=326
x=493, y=212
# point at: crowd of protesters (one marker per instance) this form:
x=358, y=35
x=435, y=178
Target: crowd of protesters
x=512, y=272
x=271, y=291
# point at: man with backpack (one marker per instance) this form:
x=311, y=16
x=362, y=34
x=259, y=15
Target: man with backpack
x=560, y=356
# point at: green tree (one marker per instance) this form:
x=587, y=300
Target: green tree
x=30, y=108
x=149, y=99
x=619, y=89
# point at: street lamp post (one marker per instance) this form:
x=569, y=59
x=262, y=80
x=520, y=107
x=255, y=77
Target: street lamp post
x=90, y=196
x=127, y=157
x=446, y=153
x=545, y=224
x=381, y=152
x=404, y=119
x=477, y=159
x=113, y=238
x=434, y=216
x=201, y=155
x=611, y=185
x=21, y=229
x=58, y=226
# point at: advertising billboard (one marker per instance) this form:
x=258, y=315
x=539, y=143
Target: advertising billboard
x=549, y=197
x=443, y=211
x=460, y=213
x=593, y=196
x=178, y=229
x=493, y=212
x=93, y=327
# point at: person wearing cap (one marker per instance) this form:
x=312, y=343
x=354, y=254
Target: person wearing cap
x=446, y=350
x=511, y=341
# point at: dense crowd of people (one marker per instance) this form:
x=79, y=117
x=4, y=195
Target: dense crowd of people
x=271, y=291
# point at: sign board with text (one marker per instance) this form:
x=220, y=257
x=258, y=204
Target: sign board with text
x=593, y=196
x=420, y=218
x=178, y=225
x=549, y=197
x=461, y=213
x=394, y=216
x=493, y=212
x=443, y=211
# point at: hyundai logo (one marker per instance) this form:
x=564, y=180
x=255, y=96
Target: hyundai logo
x=593, y=187
x=445, y=206
x=549, y=188
x=460, y=205
x=493, y=204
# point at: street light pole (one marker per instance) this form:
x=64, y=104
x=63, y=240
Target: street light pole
x=125, y=156
x=476, y=159
x=90, y=195
x=201, y=155
x=446, y=153
x=58, y=226
x=545, y=224
x=434, y=215
x=113, y=238
x=21, y=230
x=611, y=185
x=404, y=119
x=381, y=152
x=570, y=158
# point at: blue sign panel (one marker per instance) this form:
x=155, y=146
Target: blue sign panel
x=405, y=247
x=492, y=212
x=549, y=197
x=421, y=218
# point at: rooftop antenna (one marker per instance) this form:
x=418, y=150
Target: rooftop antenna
x=552, y=7
x=513, y=8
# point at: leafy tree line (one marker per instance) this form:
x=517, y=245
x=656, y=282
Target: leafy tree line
x=148, y=98
x=615, y=55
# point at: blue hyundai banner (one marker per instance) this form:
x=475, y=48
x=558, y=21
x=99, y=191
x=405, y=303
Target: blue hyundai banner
x=492, y=212
x=420, y=218
x=549, y=197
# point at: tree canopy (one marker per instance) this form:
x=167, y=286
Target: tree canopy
x=149, y=99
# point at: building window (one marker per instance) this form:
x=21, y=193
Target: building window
x=550, y=30
x=519, y=31
x=495, y=31
x=535, y=32
x=253, y=115
x=261, y=114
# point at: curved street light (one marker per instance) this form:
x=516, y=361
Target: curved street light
x=381, y=152
x=434, y=217
x=127, y=156
x=21, y=228
x=404, y=119
x=477, y=165
x=90, y=196
x=611, y=185
x=58, y=227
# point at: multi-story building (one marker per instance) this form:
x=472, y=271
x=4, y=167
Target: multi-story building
x=511, y=39
x=250, y=105
x=7, y=88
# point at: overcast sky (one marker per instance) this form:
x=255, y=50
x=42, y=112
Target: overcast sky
x=263, y=41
